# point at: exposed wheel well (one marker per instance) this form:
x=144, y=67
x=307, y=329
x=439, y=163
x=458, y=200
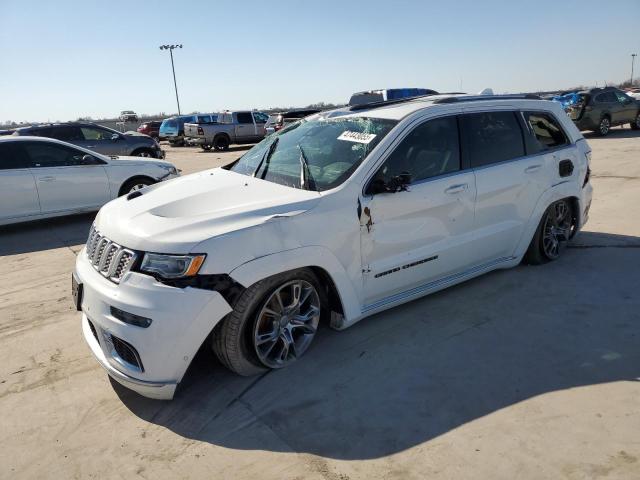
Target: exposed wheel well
x=335, y=304
x=222, y=135
x=126, y=183
x=141, y=149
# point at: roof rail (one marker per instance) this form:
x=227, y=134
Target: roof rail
x=384, y=103
x=475, y=98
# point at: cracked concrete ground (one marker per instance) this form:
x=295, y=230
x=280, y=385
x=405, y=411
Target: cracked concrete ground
x=523, y=373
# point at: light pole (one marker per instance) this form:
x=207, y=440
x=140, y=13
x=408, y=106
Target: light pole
x=633, y=59
x=170, y=48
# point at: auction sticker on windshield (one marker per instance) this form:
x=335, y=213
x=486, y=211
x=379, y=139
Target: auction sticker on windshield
x=357, y=137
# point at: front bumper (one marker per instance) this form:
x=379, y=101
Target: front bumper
x=182, y=318
x=156, y=390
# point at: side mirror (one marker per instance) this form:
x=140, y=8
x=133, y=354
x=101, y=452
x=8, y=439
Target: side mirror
x=115, y=137
x=399, y=183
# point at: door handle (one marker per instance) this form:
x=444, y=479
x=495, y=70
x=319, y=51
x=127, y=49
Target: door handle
x=532, y=168
x=457, y=188
x=47, y=179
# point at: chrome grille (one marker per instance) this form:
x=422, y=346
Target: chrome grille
x=107, y=257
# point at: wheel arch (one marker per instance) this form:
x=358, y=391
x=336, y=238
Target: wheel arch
x=121, y=190
x=565, y=190
x=141, y=149
x=220, y=135
x=342, y=296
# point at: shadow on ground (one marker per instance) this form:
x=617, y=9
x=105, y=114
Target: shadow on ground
x=45, y=234
x=415, y=372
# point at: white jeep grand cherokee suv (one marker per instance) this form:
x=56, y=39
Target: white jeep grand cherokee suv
x=340, y=216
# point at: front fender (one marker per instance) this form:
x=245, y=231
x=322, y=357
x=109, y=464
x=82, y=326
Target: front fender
x=311, y=256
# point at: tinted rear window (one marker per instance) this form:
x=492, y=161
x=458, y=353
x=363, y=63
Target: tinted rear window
x=12, y=156
x=492, y=137
x=606, y=97
x=244, y=117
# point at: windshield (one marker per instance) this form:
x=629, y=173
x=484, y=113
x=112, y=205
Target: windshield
x=325, y=150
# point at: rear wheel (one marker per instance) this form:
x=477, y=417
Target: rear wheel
x=221, y=143
x=604, y=126
x=552, y=235
x=636, y=123
x=272, y=325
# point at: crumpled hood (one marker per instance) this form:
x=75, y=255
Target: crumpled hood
x=175, y=216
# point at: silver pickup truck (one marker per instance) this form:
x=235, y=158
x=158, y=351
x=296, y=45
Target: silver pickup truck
x=230, y=128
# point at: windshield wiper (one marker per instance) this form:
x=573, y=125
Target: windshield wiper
x=266, y=158
x=306, y=179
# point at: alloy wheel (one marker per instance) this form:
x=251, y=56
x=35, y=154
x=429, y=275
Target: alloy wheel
x=287, y=323
x=605, y=125
x=557, y=229
x=137, y=186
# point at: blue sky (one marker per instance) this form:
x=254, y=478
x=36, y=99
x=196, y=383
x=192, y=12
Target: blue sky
x=64, y=59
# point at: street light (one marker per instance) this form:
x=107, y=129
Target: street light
x=633, y=59
x=170, y=48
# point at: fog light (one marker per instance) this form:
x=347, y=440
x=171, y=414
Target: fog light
x=130, y=318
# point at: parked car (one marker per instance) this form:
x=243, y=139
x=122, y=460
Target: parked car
x=172, y=129
x=97, y=138
x=231, y=128
x=336, y=217
x=42, y=178
x=383, y=95
x=6, y=132
x=634, y=93
x=599, y=109
x=151, y=128
x=276, y=121
x=128, y=116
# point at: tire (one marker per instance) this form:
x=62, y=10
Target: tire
x=236, y=340
x=635, y=125
x=144, y=152
x=135, y=184
x=552, y=234
x=604, y=127
x=206, y=147
x=221, y=143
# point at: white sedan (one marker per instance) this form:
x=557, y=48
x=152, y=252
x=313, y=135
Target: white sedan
x=43, y=177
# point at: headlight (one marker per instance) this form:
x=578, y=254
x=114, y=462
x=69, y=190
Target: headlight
x=172, y=266
x=171, y=170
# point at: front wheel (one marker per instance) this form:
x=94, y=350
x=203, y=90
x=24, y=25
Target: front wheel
x=553, y=233
x=272, y=325
x=143, y=152
x=636, y=123
x=135, y=184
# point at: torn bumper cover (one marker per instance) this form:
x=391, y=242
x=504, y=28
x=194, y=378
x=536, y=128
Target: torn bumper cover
x=152, y=359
